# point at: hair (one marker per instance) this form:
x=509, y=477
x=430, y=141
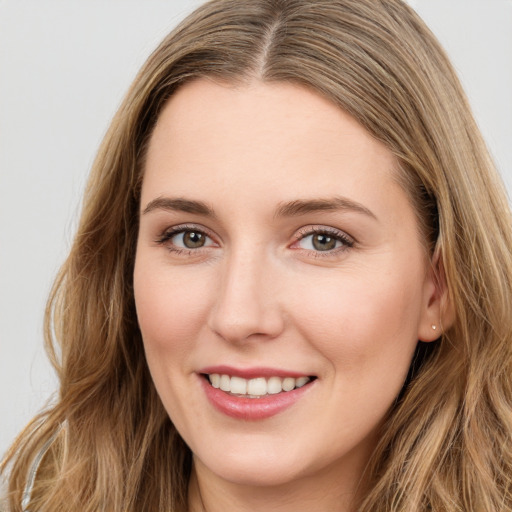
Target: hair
x=446, y=444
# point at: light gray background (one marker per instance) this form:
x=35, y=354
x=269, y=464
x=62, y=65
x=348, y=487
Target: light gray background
x=64, y=67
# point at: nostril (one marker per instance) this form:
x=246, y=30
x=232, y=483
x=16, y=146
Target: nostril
x=245, y=311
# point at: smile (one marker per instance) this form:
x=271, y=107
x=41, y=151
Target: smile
x=254, y=394
x=256, y=387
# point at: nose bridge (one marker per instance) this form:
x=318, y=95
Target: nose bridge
x=246, y=303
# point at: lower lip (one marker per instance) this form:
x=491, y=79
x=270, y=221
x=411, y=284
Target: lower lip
x=252, y=408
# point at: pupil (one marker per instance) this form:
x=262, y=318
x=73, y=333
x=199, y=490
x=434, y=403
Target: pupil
x=324, y=242
x=192, y=240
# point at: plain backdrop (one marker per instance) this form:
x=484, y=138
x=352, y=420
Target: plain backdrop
x=64, y=67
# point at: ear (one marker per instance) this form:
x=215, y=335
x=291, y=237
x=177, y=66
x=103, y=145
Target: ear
x=438, y=313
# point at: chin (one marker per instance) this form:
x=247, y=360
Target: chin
x=254, y=469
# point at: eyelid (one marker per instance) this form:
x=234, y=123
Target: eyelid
x=321, y=228
x=347, y=240
x=169, y=232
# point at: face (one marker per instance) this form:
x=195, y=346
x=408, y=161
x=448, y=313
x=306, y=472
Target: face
x=281, y=281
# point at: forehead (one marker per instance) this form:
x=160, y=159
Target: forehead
x=264, y=131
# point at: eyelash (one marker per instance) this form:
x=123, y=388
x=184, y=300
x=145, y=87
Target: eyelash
x=346, y=241
x=168, y=234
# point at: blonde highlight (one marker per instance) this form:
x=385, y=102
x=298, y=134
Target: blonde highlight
x=446, y=444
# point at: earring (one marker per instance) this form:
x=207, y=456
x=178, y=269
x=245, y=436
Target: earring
x=434, y=327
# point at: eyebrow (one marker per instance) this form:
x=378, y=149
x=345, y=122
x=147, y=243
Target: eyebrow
x=303, y=207
x=294, y=208
x=179, y=205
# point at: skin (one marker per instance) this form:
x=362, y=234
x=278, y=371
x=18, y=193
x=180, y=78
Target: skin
x=260, y=293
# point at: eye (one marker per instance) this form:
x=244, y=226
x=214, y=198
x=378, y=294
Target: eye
x=189, y=239
x=182, y=238
x=320, y=239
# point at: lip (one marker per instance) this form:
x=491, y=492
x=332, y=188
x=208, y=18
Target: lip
x=252, y=373
x=252, y=409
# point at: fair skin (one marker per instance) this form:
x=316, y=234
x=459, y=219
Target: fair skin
x=275, y=239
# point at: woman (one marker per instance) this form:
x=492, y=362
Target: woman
x=290, y=287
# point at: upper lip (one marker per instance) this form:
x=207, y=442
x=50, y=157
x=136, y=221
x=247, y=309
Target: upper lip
x=253, y=372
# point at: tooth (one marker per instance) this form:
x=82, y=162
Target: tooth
x=257, y=387
x=238, y=386
x=215, y=380
x=301, y=381
x=225, y=382
x=288, y=383
x=274, y=385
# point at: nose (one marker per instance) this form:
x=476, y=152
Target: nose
x=246, y=306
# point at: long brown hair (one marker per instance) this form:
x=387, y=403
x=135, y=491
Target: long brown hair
x=447, y=443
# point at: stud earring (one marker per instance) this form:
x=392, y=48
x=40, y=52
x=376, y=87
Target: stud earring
x=434, y=327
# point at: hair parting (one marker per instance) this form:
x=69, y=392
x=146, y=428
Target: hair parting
x=446, y=444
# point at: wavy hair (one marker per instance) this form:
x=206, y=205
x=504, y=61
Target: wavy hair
x=446, y=444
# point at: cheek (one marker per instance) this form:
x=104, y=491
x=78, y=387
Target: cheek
x=170, y=316
x=363, y=321
x=170, y=308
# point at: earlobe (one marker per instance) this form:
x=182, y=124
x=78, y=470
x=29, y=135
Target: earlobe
x=438, y=311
